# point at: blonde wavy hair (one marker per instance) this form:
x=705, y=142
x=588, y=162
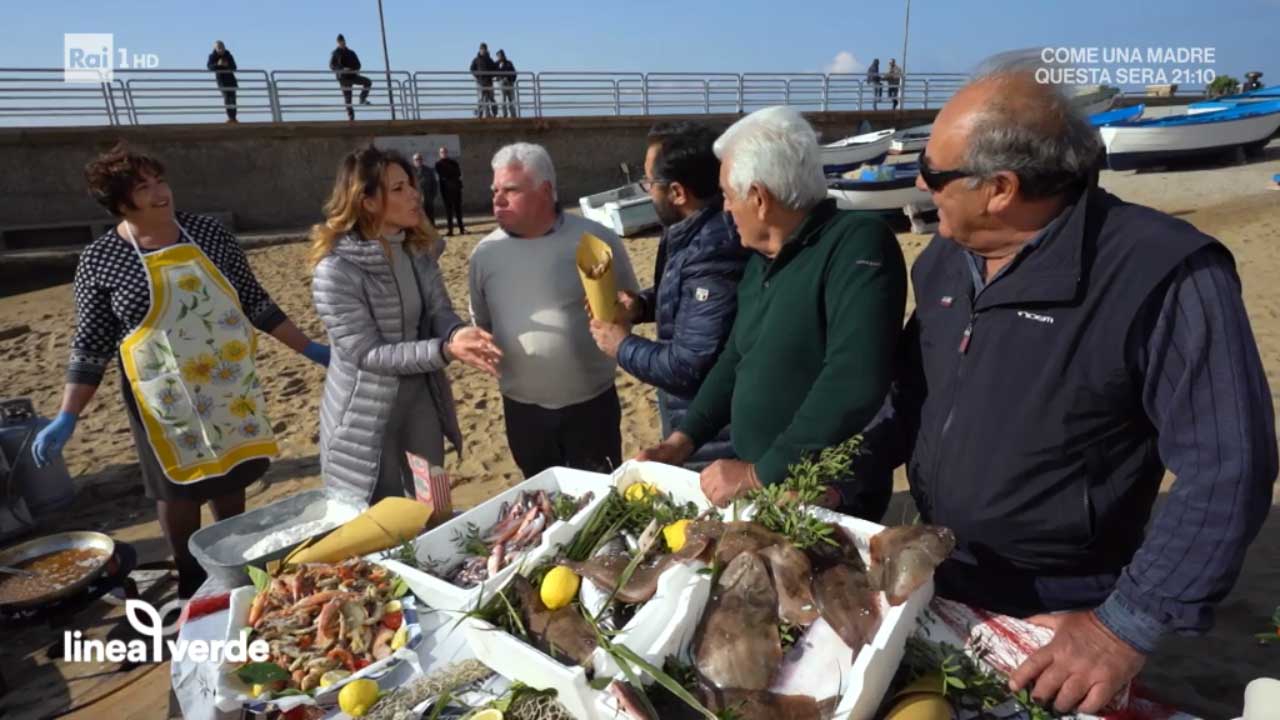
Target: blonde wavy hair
x=361, y=175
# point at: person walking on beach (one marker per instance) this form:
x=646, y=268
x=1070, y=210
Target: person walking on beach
x=346, y=64
x=382, y=299
x=427, y=185
x=1067, y=350
x=223, y=65
x=820, y=309
x=875, y=81
x=200, y=426
x=449, y=173
x=559, y=401
x=894, y=78
x=507, y=77
x=483, y=69
x=695, y=293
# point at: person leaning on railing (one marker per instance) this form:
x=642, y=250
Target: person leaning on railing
x=223, y=65
x=346, y=64
x=507, y=76
x=483, y=69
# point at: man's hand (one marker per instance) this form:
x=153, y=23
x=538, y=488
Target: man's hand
x=476, y=348
x=609, y=336
x=673, y=451
x=1082, y=668
x=725, y=480
x=631, y=305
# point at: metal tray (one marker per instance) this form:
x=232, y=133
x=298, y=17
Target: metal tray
x=32, y=549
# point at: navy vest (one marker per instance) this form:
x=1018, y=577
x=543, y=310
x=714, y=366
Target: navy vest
x=1033, y=444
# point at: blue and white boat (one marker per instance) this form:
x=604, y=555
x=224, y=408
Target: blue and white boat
x=847, y=154
x=911, y=140
x=889, y=187
x=1119, y=116
x=1143, y=143
x=1266, y=94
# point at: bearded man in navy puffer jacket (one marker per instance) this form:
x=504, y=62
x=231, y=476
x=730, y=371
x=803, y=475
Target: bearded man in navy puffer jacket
x=695, y=293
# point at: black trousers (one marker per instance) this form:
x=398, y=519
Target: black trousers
x=585, y=436
x=346, y=81
x=229, y=100
x=429, y=207
x=452, y=197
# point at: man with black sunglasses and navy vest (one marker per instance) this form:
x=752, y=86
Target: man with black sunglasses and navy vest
x=1066, y=349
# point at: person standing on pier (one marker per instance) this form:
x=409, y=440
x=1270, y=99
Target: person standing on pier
x=346, y=64
x=223, y=65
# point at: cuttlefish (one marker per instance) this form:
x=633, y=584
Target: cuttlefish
x=737, y=645
x=764, y=705
x=744, y=536
x=848, y=603
x=562, y=632
x=903, y=558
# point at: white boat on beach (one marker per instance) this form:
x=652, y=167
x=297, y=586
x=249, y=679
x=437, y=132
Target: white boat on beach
x=880, y=193
x=847, y=154
x=626, y=210
x=1153, y=142
x=1093, y=99
x=911, y=140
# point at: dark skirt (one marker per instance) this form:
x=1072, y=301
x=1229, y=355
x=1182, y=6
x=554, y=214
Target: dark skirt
x=159, y=487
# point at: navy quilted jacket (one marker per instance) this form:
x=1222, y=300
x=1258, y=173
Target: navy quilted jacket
x=693, y=301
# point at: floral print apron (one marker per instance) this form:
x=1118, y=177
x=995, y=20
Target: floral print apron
x=190, y=366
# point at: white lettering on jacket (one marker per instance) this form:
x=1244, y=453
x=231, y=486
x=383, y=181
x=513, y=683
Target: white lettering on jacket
x=1038, y=318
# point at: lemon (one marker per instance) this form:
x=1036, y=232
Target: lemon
x=639, y=491
x=490, y=714
x=333, y=677
x=400, y=638
x=674, y=534
x=393, y=606
x=358, y=696
x=559, y=587
x=257, y=690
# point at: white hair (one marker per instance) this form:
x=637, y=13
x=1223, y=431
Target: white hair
x=777, y=148
x=533, y=158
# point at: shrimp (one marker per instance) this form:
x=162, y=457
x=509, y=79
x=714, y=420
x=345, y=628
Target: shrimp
x=330, y=614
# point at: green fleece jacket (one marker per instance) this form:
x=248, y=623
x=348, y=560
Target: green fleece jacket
x=810, y=358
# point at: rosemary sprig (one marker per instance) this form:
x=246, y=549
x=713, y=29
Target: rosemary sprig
x=469, y=541
x=782, y=508
x=1273, y=636
x=965, y=680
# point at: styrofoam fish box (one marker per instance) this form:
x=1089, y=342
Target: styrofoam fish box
x=867, y=679
x=437, y=545
x=663, y=626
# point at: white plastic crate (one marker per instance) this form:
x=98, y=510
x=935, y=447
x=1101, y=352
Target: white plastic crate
x=437, y=545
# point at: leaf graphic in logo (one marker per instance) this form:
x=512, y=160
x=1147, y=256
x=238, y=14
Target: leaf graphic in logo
x=143, y=618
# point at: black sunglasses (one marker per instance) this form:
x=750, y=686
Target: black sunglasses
x=938, y=179
x=647, y=184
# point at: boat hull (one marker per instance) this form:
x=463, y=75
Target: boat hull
x=868, y=149
x=1140, y=145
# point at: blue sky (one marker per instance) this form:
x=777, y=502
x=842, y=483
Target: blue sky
x=658, y=35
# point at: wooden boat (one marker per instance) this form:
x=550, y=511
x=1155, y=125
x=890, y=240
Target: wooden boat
x=1093, y=99
x=847, y=154
x=911, y=140
x=626, y=210
x=1152, y=142
x=880, y=193
x=1119, y=116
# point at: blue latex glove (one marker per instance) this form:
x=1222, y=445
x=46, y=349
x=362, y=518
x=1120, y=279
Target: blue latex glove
x=52, y=438
x=317, y=353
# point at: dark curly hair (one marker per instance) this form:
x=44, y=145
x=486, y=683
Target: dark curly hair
x=113, y=176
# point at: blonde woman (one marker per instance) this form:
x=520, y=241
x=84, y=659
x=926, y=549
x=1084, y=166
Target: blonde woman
x=379, y=292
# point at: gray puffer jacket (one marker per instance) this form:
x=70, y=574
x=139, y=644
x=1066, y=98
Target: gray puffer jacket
x=358, y=301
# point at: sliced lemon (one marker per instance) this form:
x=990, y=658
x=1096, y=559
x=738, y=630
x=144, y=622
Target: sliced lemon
x=488, y=714
x=333, y=677
x=393, y=606
x=559, y=587
x=257, y=690
x=400, y=638
x=358, y=696
x=675, y=534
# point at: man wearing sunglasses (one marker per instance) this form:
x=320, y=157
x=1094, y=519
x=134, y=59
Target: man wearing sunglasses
x=1067, y=348
x=820, y=308
x=695, y=292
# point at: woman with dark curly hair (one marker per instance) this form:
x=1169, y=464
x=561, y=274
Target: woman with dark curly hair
x=170, y=297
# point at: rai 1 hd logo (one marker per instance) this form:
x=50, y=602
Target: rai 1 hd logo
x=94, y=58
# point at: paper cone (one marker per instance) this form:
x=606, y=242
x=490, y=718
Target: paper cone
x=602, y=292
x=385, y=525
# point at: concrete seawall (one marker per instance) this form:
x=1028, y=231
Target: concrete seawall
x=270, y=176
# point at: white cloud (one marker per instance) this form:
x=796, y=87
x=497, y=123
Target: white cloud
x=844, y=62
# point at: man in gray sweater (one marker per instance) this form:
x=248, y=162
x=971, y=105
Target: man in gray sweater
x=558, y=394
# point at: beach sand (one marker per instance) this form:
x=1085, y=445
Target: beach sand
x=1204, y=675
